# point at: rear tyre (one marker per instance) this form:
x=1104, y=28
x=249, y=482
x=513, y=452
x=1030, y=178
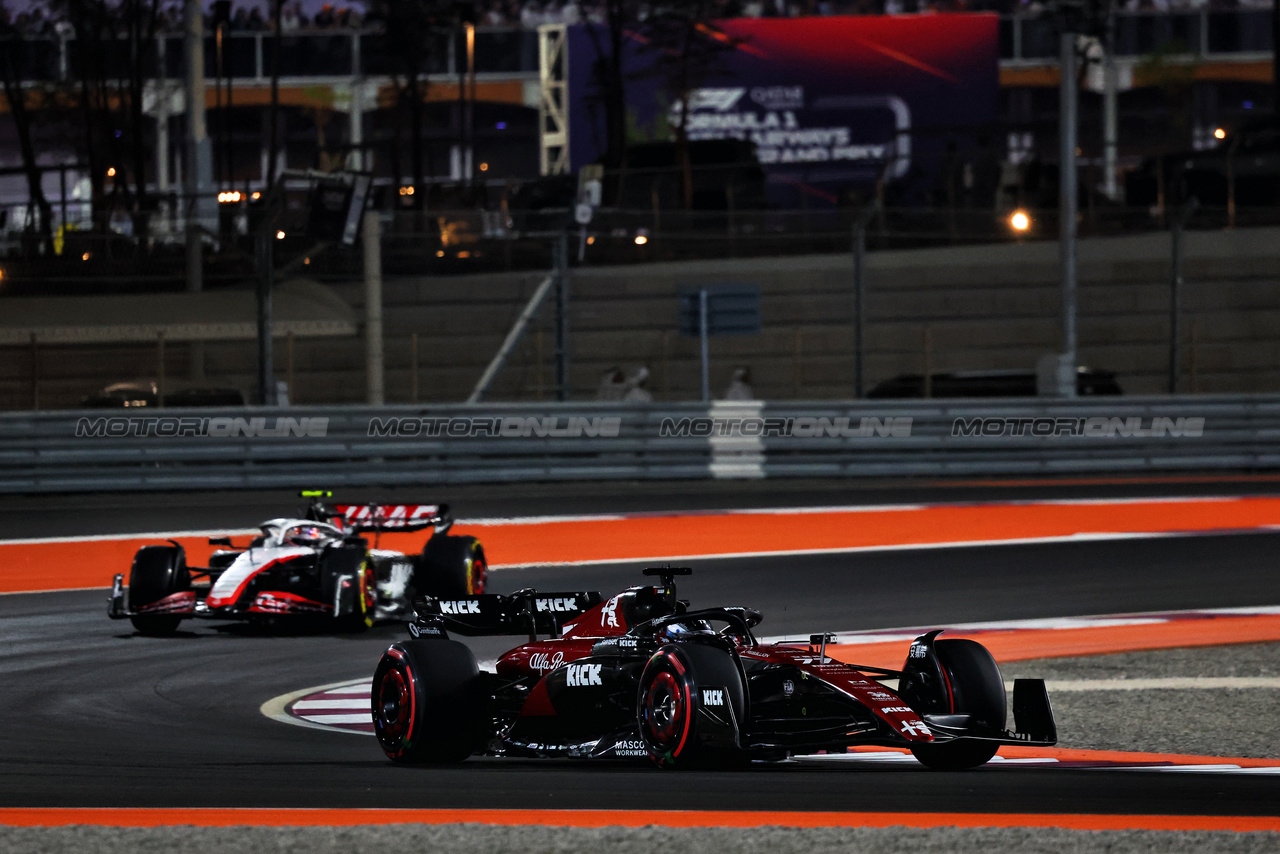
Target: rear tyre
x=977, y=689
x=365, y=601
x=157, y=572
x=670, y=700
x=428, y=704
x=452, y=566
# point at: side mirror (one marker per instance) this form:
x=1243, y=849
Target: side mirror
x=220, y=541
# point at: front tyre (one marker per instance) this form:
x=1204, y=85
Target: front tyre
x=689, y=706
x=452, y=566
x=977, y=689
x=159, y=582
x=427, y=702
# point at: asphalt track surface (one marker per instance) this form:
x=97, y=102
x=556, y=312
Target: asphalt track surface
x=26, y=516
x=96, y=716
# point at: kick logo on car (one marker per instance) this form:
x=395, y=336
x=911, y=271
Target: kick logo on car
x=556, y=604
x=581, y=675
x=712, y=697
x=471, y=607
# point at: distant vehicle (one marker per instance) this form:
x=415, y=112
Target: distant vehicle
x=641, y=676
x=317, y=566
x=1015, y=383
x=1250, y=155
x=145, y=393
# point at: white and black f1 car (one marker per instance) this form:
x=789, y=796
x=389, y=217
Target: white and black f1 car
x=317, y=565
x=641, y=676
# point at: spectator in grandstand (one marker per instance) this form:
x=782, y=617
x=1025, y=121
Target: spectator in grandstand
x=291, y=18
x=324, y=19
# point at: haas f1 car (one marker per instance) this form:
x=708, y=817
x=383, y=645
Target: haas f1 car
x=641, y=676
x=317, y=565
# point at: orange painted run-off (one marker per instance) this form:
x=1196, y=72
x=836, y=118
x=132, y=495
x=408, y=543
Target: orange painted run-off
x=69, y=565
x=211, y=817
x=1024, y=644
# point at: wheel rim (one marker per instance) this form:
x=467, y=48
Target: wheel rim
x=664, y=710
x=368, y=592
x=477, y=574
x=394, y=709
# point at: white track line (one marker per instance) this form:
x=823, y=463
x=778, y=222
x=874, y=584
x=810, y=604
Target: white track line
x=1171, y=683
x=275, y=707
x=362, y=688
x=355, y=702
x=147, y=535
x=897, y=547
x=340, y=719
x=868, y=636
x=892, y=757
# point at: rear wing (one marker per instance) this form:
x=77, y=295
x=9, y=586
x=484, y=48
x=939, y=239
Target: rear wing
x=393, y=517
x=358, y=518
x=527, y=611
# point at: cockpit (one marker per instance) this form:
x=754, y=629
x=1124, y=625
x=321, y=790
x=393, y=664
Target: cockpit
x=282, y=533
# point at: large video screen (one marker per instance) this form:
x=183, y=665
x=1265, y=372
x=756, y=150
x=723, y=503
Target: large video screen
x=829, y=102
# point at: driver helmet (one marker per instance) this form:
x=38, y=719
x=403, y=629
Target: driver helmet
x=694, y=627
x=308, y=535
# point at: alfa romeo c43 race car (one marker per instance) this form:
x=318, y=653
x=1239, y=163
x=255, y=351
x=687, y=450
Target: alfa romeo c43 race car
x=641, y=676
x=317, y=565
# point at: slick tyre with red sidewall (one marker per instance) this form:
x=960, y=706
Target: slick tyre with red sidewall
x=428, y=703
x=451, y=566
x=976, y=689
x=364, y=601
x=690, y=705
x=158, y=572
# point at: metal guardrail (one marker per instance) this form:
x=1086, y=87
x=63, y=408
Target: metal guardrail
x=41, y=452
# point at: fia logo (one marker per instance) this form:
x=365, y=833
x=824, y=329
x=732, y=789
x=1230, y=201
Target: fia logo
x=609, y=614
x=712, y=696
x=471, y=607
x=788, y=687
x=581, y=675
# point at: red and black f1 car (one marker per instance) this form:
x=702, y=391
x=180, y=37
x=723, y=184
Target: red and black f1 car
x=640, y=675
x=317, y=565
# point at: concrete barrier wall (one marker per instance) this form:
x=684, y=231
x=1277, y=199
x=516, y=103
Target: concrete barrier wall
x=984, y=307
